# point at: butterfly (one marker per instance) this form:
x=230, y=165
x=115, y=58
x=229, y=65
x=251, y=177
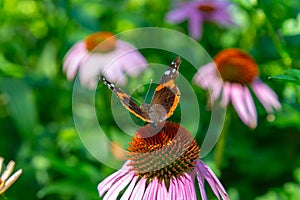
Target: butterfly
x=164, y=101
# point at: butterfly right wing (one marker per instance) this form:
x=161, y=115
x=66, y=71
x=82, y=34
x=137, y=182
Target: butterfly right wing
x=167, y=94
x=126, y=100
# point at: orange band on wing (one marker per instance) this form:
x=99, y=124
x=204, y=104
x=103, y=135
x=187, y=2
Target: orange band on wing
x=170, y=84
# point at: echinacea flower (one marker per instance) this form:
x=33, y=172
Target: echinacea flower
x=102, y=52
x=6, y=180
x=163, y=163
x=229, y=77
x=199, y=11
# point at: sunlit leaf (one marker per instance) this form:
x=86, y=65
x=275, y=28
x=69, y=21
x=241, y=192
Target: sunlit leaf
x=290, y=75
x=10, y=69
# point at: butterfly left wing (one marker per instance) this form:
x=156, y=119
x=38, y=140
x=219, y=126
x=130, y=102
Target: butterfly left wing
x=167, y=94
x=126, y=100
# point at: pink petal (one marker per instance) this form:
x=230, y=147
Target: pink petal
x=251, y=107
x=200, y=179
x=195, y=24
x=130, y=59
x=206, y=75
x=189, y=184
x=178, y=15
x=221, y=17
x=266, y=96
x=167, y=194
x=133, y=65
x=212, y=180
x=75, y=50
x=177, y=188
x=238, y=101
x=139, y=189
x=75, y=56
x=216, y=89
x=181, y=188
x=226, y=94
x=130, y=188
x=172, y=190
x=106, y=183
x=118, y=186
x=152, y=190
x=162, y=192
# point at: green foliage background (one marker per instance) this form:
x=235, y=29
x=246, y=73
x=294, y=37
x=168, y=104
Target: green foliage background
x=36, y=124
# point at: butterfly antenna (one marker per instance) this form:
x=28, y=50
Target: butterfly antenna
x=148, y=91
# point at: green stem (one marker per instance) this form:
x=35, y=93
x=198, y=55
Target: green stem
x=287, y=60
x=220, y=146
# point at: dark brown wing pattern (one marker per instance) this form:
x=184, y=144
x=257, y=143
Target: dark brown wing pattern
x=164, y=101
x=126, y=100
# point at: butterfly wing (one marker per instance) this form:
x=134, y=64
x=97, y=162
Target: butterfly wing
x=167, y=94
x=126, y=100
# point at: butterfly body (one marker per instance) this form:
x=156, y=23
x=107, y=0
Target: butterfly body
x=164, y=101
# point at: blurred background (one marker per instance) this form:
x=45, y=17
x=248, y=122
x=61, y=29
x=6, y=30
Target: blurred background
x=37, y=130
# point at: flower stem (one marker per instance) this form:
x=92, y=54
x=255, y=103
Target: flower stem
x=220, y=146
x=278, y=43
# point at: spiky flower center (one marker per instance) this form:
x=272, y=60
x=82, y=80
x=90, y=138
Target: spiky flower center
x=101, y=42
x=206, y=8
x=236, y=66
x=165, y=151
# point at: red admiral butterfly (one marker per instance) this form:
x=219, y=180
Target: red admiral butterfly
x=164, y=101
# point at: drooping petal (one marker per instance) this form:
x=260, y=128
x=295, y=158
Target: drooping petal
x=195, y=24
x=177, y=188
x=222, y=18
x=134, y=64
x=226, y=94
x=115, y=189
x=250, y=107
x=139, y=190
x=206, y=75
x=212, y=180
x=179, y=14
x=189, y=183
x=130, y=188
x=200, y=179
x=172, y=190
x=73, y=59
x=239, y=103
x=151, y=190
x=266, y=96
x=107, y=183
x=181, y=188
x=91, y=67
x=162, y=192
x=216, y=89
x=130, y=59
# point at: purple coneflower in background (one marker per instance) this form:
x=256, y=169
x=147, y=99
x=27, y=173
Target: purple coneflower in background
x=163, y=163
x=102, y=52
x=199, y=11
x=229, y=77
x=6, y=180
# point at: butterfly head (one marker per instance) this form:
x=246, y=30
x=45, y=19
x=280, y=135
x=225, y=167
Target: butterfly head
x=106, y=82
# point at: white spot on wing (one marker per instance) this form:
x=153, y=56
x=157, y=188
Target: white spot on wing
x=167, y=72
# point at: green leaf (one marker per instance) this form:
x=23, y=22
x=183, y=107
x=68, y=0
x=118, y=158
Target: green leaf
x=80, y=191
x=21, y=105
x=10, y=69
x=290, y=75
